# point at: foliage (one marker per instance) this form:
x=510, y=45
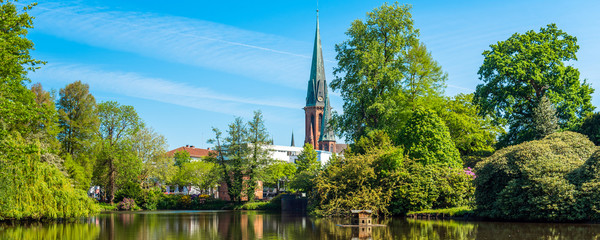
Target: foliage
x=431, y=186
x=590, y=127
x=31, y=184
x=198, y=173
x=373, y=140
x=516, y=73
x=307, y=168
x=278, y=171
x=426, y=139
x=383, y=73
x=472, y=134
x=453, y=212
x=552, y=179
x=31, y=189
x=18, y=111
x=181, y=157
x=244, y=148
x=78, y=119
x=116, y=163
x=544, y=119
x=127, y=204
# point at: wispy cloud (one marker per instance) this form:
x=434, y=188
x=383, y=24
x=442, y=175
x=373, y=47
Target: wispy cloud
x=200, y=43
x=139, y=86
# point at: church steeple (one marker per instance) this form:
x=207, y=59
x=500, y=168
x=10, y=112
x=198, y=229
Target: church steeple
x=317, y=110
x=293, y=144
x=317, y=84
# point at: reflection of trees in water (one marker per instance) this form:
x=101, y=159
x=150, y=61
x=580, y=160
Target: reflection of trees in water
x=259, y=225
x=74, y=230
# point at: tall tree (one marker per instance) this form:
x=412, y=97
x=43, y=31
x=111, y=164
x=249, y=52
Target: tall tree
x=150, y=148
x=116, y=161
x=78, y=118
x=516, y=73
x=258, y=158
x=18, y=111
x=383, y=72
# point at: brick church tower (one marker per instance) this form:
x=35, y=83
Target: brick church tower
x=317, y=110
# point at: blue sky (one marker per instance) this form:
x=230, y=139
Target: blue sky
x=193, y=65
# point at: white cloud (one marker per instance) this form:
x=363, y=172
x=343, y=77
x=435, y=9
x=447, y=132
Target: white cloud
x=136, y=85
x=195, y=42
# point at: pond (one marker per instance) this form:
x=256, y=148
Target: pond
x=261, y=225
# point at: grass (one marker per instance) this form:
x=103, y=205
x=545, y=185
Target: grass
x=107, y=206
x=452, y=212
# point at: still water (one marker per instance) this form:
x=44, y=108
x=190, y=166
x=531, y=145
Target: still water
x=261, y=225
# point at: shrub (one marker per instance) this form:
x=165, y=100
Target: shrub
x=547, y=180
x=431, y=186
x=426, y=139
x=127, y=204
x=591, y=127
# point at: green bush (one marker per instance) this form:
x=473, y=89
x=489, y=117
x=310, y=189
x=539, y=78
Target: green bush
x=591, y=127
x=131, y=189
x=426, y=139
x=553, y=179
x=431, y=186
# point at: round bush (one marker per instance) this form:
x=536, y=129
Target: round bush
x=540, y=180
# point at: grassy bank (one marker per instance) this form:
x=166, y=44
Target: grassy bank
x=445, y=213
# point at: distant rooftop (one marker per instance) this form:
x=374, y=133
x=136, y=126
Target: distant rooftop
x=193, y=151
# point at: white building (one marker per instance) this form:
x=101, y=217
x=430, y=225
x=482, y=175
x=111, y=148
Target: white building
x=290, y=154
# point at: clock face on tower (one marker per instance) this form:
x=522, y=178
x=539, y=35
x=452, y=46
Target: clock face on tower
x=320, y=99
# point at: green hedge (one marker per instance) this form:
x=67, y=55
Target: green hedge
x=553, y=179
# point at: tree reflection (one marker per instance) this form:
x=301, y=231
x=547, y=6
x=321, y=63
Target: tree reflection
x=260, y=225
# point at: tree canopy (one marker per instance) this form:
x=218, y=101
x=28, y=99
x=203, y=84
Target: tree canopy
x=383, y=72
x=517, y=72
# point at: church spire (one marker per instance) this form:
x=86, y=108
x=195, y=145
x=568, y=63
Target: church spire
x=315, y=95
x=293, y=144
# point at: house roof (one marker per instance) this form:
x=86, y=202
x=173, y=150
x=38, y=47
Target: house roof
x=193, y=151
x=340, y=148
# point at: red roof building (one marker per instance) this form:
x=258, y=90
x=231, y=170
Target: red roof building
x=195, y=153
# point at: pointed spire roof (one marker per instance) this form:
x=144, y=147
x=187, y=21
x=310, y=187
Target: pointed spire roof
x=326, y=130
x=317, y=85
x=293, y=144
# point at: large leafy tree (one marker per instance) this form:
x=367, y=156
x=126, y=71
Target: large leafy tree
x=17, y=109
x=472, y=134
x=517, y=72
x=78, y=119
x=197, y=173
x=258, y=158
x=116, y=163
x=30, y=188
x=383, y=73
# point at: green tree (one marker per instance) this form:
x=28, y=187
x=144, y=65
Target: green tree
x=181, y=157
x=30, y=187
x=591, y=127
x=78, y=119
x=473, y=135
x=199, y=174
x=277, y=172
x=116, y=163
x=545, y=121
x=307, y=167
x=426, y=139
x=150, y=148
x=258, y=158
x=383, y=73
x=17, y=109
x=516, y=73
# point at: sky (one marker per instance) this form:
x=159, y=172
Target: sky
x=189, y=66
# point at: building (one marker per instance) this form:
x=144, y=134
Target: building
x=290, y=154
x=195, y=153
x=317, y=111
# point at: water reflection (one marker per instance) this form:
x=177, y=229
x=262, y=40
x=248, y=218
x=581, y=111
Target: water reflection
x=259, y=225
